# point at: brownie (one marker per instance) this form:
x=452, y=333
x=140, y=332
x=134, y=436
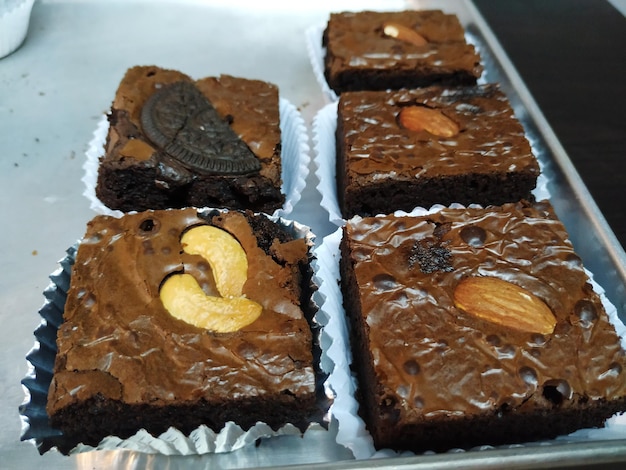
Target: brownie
x=435, y=145
x=370, y=50
x=433, y=374
x=126, y=362
x=174, y=142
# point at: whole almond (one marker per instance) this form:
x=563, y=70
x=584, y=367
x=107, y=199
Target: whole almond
x=404, y=33
x=504, y=303
x=421, y=118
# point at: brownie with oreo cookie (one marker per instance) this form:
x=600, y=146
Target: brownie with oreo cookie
x=177, y=142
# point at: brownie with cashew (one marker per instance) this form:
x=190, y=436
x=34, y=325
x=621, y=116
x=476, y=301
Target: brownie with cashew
x=180, y=318
x=176, y=142
x=397, y=150
x=476, y=327
x=371, y=50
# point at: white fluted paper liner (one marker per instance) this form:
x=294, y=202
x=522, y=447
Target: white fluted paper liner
x=95, y=150
x=295, y=155
x=294, y=160
x=14, y=21
x=316, y=52
x=324, y=155
x=352, y=432
x=202, y=440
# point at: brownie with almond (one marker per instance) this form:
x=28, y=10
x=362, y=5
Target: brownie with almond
x=476, y=326
x=177, y=142
x=370, y=50
x=400, y=149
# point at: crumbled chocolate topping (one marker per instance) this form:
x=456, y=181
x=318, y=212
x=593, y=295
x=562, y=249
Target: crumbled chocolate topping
x=431, y=256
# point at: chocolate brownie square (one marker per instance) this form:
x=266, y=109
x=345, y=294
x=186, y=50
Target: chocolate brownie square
x=435, y=145
x=476, y=326
x=174, y=142
x=370, y=50
x=179, y=318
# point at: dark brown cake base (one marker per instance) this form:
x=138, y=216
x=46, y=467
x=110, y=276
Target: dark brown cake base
x=127, y=188
x=406, y=195
x=379, y=80
x=90, y=421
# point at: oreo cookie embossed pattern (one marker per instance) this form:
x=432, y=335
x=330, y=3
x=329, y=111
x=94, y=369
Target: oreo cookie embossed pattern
x=184, y=124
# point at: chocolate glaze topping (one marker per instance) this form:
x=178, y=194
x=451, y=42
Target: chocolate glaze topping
x=435, y=361
x=118, y=341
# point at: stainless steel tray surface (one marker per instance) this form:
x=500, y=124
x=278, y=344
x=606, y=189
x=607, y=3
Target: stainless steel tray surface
x=53, y=91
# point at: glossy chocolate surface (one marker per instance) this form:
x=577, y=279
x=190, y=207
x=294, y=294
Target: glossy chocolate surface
x=377, y=147
x=356, y=43
x=433, y=361
x=118, y=340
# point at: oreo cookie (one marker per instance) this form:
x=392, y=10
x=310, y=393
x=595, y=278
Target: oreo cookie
x=183, y=123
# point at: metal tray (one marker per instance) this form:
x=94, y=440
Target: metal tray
x=271, y=30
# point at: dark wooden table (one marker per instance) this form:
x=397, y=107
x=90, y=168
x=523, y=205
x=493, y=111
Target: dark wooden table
x=572, y=56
